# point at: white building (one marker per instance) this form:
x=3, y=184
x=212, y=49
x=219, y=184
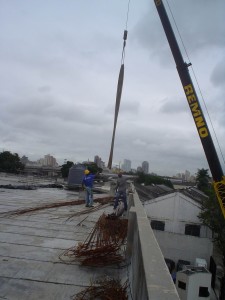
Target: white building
x=145, y=167
x=194, y=283
x=48, y=160
x=174, y=219
x=187, y=175
x=126, y=166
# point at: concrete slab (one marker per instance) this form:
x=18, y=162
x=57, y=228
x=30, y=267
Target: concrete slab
x=31, y=245
x=15, y=289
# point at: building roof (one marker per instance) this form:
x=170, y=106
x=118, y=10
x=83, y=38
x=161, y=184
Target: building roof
x=154, y=191
x=31, y=246
x=194, y=193
x=192, y=270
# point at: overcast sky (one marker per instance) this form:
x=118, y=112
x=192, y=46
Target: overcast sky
x=59, y=65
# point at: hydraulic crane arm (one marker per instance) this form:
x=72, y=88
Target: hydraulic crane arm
x=193, y=102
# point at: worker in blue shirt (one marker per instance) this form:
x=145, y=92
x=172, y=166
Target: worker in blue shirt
x=87, y=183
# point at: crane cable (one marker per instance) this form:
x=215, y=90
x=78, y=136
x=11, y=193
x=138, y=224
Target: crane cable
x=203, y=100
x=119, y=89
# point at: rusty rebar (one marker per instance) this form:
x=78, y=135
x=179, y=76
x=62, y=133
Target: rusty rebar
x=104, y=289
x=103, y=244
x=102, y=201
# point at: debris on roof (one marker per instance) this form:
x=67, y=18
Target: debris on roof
x=106, y=288
x=101, y=200
x=103, y=245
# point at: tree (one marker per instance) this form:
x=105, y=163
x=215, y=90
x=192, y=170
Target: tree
x=65, y=169
x=148, y=179
x=202, y=179
x=93, y=168
x=212, y=217
x=10, y=162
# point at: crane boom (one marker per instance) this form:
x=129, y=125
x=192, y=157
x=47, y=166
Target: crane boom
x=193, y=102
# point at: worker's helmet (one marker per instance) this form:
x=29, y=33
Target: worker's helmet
x=86, y=172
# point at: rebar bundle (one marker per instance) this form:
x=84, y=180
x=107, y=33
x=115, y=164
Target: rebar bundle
x=103, y=245
x=22, y=211
x=104, y=289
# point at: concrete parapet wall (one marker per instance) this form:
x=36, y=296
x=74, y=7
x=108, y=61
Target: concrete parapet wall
x=148, y=274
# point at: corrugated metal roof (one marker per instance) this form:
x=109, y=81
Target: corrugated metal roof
x=154, y=191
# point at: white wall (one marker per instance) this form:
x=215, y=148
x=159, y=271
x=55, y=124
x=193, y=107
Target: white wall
x=185, y=247
x=193, y=283
x=176, y=210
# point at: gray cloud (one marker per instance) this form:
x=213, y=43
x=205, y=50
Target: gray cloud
x=198, y=22
x=173, y=106
x=218, y=74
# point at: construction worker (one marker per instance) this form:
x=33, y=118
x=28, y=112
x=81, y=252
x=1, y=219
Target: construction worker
x=121, y=187
x=87, y=183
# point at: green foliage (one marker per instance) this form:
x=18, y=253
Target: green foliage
x=202, y=180
x=65, y=169
x=148, y=179
x=10, y=162
x=93, y=168
x=211, y=216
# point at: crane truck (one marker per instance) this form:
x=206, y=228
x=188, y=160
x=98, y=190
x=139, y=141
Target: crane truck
x=196, y=111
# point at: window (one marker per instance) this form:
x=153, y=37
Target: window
x=182, y=285
x=192, y=230
x=158, y=225
x=203, y=292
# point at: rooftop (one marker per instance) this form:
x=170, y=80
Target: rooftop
x=31, y=246
x=34, y=248
x=191, y=270
x=150, y=192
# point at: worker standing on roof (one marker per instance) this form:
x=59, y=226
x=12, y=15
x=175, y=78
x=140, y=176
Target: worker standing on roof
x=121, y=191
x=87, y=183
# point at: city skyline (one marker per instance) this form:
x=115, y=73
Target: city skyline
x=184, y=175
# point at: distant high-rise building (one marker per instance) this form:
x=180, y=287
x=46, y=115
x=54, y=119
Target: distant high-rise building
x=24, y=160
x=187, y=175
x=139, y=169
x=126, y=166
x=48, y=160
x=99, y=161
x=145, y=167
